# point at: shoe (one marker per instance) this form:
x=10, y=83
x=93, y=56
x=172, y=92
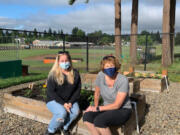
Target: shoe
x=66, y=132
x=48, y=133
x=59, y=131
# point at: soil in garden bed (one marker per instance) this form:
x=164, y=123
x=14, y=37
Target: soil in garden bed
x=39, y=93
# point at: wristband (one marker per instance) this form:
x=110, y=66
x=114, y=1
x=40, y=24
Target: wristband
x=97, y=109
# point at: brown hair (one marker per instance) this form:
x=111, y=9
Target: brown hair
x=110, y=59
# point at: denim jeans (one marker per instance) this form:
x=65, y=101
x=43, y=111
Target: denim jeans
x=61, y=118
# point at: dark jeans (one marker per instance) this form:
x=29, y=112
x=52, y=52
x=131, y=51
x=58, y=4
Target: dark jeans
x=108, y=118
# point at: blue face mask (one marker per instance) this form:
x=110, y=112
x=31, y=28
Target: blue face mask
x=64, y=65
x=110, y=71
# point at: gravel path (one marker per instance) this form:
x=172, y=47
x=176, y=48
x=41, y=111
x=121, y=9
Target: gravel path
x=162, y=117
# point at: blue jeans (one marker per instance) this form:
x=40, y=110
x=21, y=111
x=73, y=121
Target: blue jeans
x=61, y=118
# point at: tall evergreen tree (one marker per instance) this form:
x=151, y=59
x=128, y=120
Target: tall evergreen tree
x=118, y=47
x=62, y=31
x=144, y=32
x=14, y=34
x=158, y=37
x=177, y=39
x=54, y=33
x=54, y=36
x=7, y=37
x=25, y=34
x=74, y=31
x=60, y=34
x=49, y=33
x=1, y=36
x=35, y=33
x=45, y=34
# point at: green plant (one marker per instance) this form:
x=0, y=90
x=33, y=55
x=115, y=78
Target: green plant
x=43, y=92
x=28, y=93
x=91, y=99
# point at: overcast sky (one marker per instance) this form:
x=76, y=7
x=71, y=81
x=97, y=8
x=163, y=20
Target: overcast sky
x=96, y=15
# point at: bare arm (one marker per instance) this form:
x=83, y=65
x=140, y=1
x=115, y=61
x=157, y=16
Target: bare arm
x=96, y=96
x=117, y=103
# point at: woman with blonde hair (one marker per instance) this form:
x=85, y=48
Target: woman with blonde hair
x=63, y=92
x=113, y=88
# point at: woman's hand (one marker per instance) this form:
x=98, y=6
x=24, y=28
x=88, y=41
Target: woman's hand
x=90, y=109
x=70, y=105
x=67, y=107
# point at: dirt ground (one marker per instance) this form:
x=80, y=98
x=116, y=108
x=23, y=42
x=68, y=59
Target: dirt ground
x=42, y=57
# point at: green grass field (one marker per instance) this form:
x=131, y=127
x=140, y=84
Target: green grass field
x=95, y=55
x=7, y=44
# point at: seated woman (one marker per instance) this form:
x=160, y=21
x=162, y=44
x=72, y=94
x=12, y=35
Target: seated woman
x=63, y=91
x=113, y=88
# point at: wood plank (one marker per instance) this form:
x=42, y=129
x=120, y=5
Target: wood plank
x=37, y=110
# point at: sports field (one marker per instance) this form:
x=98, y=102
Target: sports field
x=34, y=58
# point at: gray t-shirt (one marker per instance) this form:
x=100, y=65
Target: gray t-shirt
x=121, y=84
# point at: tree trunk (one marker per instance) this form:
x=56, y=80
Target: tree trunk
x=134, y=30
x=168, y=27
x=118, y=49
x=172, y=27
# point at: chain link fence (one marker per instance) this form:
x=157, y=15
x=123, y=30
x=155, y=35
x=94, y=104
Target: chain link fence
x=9, y=48
x=33, y=48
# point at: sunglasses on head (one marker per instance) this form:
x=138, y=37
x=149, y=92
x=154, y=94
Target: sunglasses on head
x=106, y=57
x=63, y=52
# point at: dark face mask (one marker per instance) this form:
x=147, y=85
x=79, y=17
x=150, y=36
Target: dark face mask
x=110, y=71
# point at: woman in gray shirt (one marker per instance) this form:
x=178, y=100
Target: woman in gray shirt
x=113, y=88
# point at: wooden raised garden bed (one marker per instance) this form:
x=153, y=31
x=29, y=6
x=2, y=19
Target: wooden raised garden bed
x=153, y=85
x=150, y=81
x=17, y=102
